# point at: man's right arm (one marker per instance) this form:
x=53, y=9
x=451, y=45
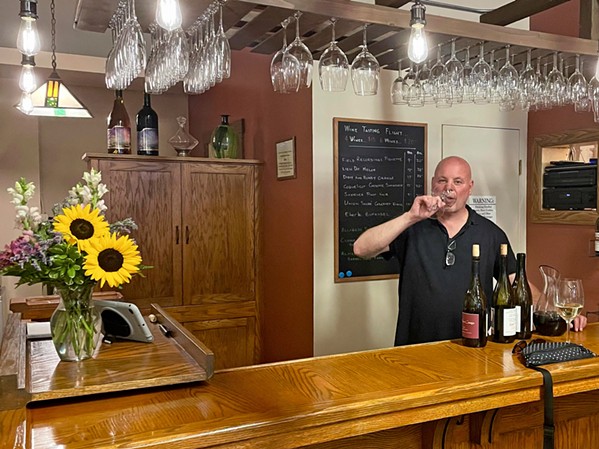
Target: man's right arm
x=376, y=240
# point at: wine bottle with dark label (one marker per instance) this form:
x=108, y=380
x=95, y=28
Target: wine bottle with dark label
x=146, y=121
x=119, y=127
x=474, y=312
x=503, y=310
x=523, y=299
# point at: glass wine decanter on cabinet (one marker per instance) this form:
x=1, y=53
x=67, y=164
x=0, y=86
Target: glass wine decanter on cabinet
x=182, y=141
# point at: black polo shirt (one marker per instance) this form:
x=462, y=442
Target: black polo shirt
x=430, y=292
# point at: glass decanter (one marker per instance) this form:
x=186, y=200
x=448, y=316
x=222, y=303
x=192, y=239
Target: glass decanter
x=182, y=141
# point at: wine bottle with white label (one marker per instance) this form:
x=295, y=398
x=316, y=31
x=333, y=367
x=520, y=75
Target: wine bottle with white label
x=119, y=127
x=523, y=299
x=503, y=310
x=474, y=312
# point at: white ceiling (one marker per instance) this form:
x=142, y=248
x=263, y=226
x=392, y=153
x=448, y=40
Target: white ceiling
x=68, y=40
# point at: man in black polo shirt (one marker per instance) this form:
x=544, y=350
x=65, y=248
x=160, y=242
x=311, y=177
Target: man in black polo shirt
x=433, y=244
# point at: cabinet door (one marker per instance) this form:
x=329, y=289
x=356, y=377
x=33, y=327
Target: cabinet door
x=149, y=193
x=220, y=219
x=219, y=233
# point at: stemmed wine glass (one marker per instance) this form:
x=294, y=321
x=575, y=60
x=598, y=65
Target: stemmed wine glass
x=439, y=81
x=298, y=49
x=481, y=79
x=397, y=88
x=569, y=301
x=365, y=70
x=455, y=76
x=556, y=84
x=285, y=69
x=333, y=68
x=577, y=85
x=468, y=78
x=529, y=83
x=508, y=83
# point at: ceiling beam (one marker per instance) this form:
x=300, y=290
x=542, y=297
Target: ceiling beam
x=398, y=18
x=518, y=10
x=392, y=3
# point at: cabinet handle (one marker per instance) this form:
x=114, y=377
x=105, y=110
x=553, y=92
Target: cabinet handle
x=177, y=235
x=186, y=235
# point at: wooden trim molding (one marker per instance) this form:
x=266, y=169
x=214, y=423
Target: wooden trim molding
x=537, y=213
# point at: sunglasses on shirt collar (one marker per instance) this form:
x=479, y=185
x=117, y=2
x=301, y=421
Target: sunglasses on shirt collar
x=449, y=255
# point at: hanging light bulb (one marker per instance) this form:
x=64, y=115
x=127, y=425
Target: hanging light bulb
x=417, y=46
x=168, y=14
x=27, y=81
x=26, y=103
x=28, y=39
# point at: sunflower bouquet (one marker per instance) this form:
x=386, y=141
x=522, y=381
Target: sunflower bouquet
x=71, y=252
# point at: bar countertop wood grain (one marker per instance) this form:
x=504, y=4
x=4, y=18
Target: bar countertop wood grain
x=302, y=402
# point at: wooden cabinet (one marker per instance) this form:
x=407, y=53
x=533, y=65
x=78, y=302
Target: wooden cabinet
x=198, y=227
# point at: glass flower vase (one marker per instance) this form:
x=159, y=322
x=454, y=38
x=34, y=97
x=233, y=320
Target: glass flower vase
x=75, y=325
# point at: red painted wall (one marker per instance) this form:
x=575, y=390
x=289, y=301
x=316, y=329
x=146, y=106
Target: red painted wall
x=563, y=246
x=287, y=306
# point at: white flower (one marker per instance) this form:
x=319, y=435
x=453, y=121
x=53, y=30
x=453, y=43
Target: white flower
x=101, y=206
x=102, y=190
x=22, y=211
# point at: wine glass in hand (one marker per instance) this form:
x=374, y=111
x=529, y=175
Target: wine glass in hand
x=569, y=301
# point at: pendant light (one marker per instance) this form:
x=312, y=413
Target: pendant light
x=168, y=14
x=417, y=46
x=28, y=38
x=53, y=99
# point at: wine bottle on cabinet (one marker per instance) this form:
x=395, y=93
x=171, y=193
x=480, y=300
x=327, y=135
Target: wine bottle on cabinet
x=119, y=127
x=523, y=299
x=474, y=312
x=597, y=237
x=503, y=310
x=146, y=122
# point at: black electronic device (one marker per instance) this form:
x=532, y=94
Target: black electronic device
x=570, y=198
x=123, y=320
x=570, y=175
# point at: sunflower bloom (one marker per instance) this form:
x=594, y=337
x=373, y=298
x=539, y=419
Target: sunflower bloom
x=111, y=259
x=79, y=224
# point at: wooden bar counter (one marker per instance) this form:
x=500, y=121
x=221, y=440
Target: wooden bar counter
x=437, y=395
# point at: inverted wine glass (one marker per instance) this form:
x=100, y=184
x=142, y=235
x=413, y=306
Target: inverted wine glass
x=556, y=84
x=439, y=82
x=577, y=85
x=285, y=69
x=455, y=76
x=298, y=49
x=397, y=97
x=508, y=83
x=333, y=67
x=481, y=79
x=529, y=83
x=365, y=70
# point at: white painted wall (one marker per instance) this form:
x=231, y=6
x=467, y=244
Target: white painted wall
x=361, y=315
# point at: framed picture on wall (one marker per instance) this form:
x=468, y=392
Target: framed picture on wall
x=286, y=159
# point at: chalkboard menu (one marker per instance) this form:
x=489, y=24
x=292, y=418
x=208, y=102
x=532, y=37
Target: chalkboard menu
x=379, y=170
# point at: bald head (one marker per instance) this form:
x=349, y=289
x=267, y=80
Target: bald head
x=454, y=164
x=454, y=176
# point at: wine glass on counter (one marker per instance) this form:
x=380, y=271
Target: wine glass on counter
x=569, y=301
